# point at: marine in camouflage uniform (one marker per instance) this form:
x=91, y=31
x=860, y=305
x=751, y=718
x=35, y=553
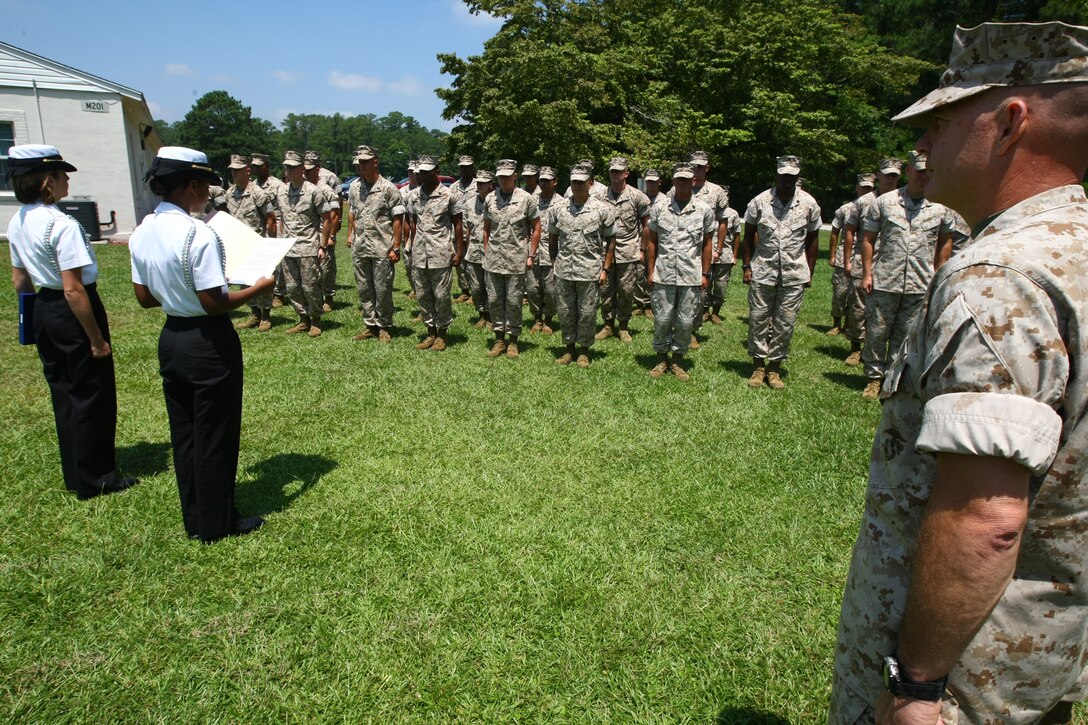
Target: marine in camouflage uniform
x=679, y=250
x=726, y=250
x=261, y=167
x=887, y=181
x=540, y=278
x=717, y=198
x=967, y=584
x=897, y=270
x=511, y=229
x=306, y=216
x=652, y=181
x=473, y=215
x=437, y=247
x=329, y=183
x=778, y=268
x=465, y=188
x=406, y=193
x=248, y=203
x=840, y=280
x=530, y=174
x=631, y=210
x=596, y=189
x=580, y=240
x=376, y=219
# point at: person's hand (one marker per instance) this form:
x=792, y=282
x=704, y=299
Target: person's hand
x=603, y=277
x=320, y=254
x=717, y=256
x=892, y=710
x=100, y=348
x=846, y=266
x=650, y=279
x=529, y=263
x=704, y=283
x=867, y=283
x=394, y=255
x=350, y=240
x=456, y=261
x=264, y=283
x=747, y=276
x=641, y=256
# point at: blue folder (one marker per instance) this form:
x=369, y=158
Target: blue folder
x=26, y=317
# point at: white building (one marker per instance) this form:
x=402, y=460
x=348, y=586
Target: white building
x=104, y=129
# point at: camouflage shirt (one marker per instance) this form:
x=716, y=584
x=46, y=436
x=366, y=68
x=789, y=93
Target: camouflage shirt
x=907, y=232
x=629, y=208
x=597, y=190
x=839, y=222
x=583, y=238
x=300, y=209
x=713, y=196
x=991, y=368
x=511, y=227
x=474, y=229
x=680, y=234
x=269, y=187
x=465, y=194
x=961, y=233
x=329, y=179
x=732, y=229
x=542, y=258
x=433, y=215
x=855, y=215
x=779, y=256
x=250, y=205
x=373, y=209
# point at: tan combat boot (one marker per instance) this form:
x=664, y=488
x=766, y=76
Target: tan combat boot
x=604, y=334
x=366, y=334
x=833, y=332
x=427, y=342
x=265, y=326
x=497, y=349
x=661, y=368
x=872, y=390
x=774, y=380
x=315, y=328
x=512, y=350
x=758, y=376
x=439, y=342
x=384, y=336
x=853, y=359
x=678, y=370
x=302, y=326
x=694, y=345
x=625, y=335
x=249, y=323
x=564, y=359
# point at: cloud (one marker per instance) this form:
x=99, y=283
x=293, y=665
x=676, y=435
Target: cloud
x=222, y=78
x=178, y=69
x=353, y=82
x=286, y=76
x=461, y=14
x=406, y=86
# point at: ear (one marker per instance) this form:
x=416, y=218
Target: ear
x=1013, y=121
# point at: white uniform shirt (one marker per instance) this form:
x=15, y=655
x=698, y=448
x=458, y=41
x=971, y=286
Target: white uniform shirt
x=157, y=248
x=26, y=233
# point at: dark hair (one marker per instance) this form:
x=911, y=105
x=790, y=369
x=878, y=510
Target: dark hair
x=34, y=187
x=164, y=186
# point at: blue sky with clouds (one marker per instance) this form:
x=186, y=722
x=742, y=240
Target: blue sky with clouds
x=277, y=56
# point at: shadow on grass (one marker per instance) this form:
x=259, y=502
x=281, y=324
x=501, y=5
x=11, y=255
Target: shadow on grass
x=820, y=328
x=835, y=353
x=748, y=716
x=850, y=381
x=144, y=459
x=267, y=494
x=742, y=368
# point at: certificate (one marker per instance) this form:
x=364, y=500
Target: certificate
x=249, y=255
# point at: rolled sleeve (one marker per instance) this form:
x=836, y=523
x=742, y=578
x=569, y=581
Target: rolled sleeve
x=988, y=424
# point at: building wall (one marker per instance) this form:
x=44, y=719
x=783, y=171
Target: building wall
x=100, y=145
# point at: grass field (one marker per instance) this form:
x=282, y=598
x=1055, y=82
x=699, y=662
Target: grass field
x=448, y=537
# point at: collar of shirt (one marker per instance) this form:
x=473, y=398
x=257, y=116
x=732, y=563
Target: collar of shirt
x=779, y=204
x=1049, y=199
x=688, y=208
x=166, y=207
x=909, y=204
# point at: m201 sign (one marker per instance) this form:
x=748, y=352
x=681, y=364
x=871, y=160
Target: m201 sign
x=96, y=106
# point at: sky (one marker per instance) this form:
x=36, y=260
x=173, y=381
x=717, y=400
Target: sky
x=276, y=56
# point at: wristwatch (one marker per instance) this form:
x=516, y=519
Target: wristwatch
x=898, y=684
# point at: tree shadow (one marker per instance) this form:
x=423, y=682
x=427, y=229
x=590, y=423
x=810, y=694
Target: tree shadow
x=144, y=459
x=748, y=716
x=850, y=381
x=274, y=475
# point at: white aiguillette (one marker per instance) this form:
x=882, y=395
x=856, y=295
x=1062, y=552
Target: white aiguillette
x=249, y=255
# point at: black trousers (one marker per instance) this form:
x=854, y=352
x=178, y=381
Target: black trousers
x=83, y=390
x=200, y=360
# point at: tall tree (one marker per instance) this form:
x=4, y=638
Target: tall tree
x=219, y=125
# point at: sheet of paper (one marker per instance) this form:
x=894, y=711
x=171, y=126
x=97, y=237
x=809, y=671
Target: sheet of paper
x=249, y=255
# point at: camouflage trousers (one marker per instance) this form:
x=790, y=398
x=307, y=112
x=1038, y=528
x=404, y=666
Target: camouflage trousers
x=374, y=283
x=617, y=294
x=505, y=295
x=719, y=285
x=772, y=315
x=476, y=276
x=302, y=282
x=674, y=312
x=280, y=288
x=262, y=302
x=888, y=319
x=642, y=287
x=855, y=310
x=540, y=286
x=577, y=303
x=328, y=272
x=700, y=308
x=463, y=281
x=433, y=296
x=840, y=292
x=406, y=257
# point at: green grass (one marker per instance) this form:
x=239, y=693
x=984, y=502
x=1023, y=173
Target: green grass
x=448, y=537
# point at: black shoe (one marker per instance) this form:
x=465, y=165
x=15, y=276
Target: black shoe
x=119, y=484
x=248, y=525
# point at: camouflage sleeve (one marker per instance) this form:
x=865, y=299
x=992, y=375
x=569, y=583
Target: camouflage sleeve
x=995, y=368
x=734, y=224
x=263, y=200
x=642, y=205
x=814, y=220
x=531, y=211
x=840, y=216
x=455, y=205
x=552, y=221
x=655, y=214
x=853, y=215
x=394, y=201
x=751, y=214
x=608, y=220
x=325, y=200
x=710, y=224
x=873, y=216
x=948, y=223
x=721, y=207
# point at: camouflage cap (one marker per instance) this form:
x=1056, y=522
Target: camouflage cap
x=867, y=180
x=683, y=170
x=652, y=175
x=993, y=55
x=918, y=160
x=530, y=170
x=699, y=158
x=484, y=176
x=466, y=161
x=311, y=159
x=617, y=163
x=413, y=165
x=579, y=173
x=238, y=161
x=365, y=153
x=506, y=167
x=891, y=166
x=788, y=165
x=588, y=163
x=292, y=158
x=547, y=172
x=260, y=160
x=427, y=163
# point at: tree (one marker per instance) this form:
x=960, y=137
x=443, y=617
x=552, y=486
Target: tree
x=220, y=125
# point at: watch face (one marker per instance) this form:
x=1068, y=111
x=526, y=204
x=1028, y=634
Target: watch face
x=891, y=675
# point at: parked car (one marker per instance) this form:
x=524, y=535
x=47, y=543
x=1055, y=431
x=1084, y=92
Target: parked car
x=444, y=180
x=346, y=185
